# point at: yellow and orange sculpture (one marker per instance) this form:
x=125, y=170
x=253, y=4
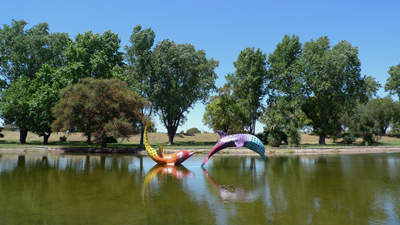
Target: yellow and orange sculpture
x=158, y=155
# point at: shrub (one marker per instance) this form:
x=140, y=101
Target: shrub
x=275, y=138
x=349, y=138
x=111, y=139
x=193, y=130
x=63, y=139
x=263, y=136
x=294, y=138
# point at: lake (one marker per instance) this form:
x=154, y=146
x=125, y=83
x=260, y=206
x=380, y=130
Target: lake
x=129, y=189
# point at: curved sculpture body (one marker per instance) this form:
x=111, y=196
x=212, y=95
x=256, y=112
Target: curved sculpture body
x=239, y=140
x=158, y=155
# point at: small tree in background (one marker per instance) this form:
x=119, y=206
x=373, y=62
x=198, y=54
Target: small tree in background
x=193, y=130
x=223, y=112
x=99, y=108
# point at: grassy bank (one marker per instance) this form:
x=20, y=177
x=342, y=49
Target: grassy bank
x=182, y=141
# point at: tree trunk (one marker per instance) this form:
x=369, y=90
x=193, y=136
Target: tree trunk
x=46, y=138
x=104, y=142
x=22, y=136
x=89, y=140
x=171, y=134
x=141, y=135
x=89, y=135
x=322, y=139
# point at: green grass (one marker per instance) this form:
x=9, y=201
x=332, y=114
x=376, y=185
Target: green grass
x=181, y=141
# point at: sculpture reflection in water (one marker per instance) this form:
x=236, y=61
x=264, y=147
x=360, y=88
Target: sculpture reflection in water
x=232, y=192
x=237, y=140
x=179, y=172
x=159, y=156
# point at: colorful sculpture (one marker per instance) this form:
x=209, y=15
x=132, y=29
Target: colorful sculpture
x=239, y=140
x=159, y=156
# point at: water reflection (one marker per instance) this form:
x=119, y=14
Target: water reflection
x=125, y=189
x=159, y=170
x=242, y=182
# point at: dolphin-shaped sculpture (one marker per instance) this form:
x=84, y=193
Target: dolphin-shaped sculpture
x=239, y=140
x=159, y=156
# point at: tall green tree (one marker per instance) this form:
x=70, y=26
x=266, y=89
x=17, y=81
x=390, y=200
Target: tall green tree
x=27, y=103
x=47, y=86
x=285, y=86
x=24, y=52
x=332, y=83
x=138, y=68
x=99, y=108
x=15, y=105
x=393, y=82
x=93, y=55
x=181, y=76
x=248, y=82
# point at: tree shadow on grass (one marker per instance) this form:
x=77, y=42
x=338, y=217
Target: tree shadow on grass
x=182, y=135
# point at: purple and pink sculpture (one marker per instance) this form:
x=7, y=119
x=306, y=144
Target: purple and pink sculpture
x=239, y=140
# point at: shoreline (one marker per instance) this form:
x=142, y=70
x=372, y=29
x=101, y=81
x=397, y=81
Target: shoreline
x=269, y=152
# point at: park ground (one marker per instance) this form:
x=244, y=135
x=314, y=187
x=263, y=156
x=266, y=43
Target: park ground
x=201, y=143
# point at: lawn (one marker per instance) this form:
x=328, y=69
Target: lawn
x=206, y=140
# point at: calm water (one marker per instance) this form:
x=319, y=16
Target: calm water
x=125, y=189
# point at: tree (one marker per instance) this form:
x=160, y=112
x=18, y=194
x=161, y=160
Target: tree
x=15, y=106
x=23, y=54
x=223, y=112
x=47, y=86
x=372, y=87
x=382, y=111
x=285, y=85
x=193, y=130
x=332, y=83
x=93, y=55
x=393, y=82
x=248, y=84
x=181, y=76
x=138, y=68
x=99, y=108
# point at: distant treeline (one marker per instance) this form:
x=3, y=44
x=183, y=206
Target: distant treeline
x=312, y=86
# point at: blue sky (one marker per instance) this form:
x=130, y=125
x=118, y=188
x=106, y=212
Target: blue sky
x=224, y=28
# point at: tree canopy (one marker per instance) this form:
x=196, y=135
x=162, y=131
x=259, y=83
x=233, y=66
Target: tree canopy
x=25, y=51
x=313, y=84
x=223, y=112
x=138, y=68
x=98, y=108
x=23, y=54
x=93, y=55
x=393, y=82
x=181, y=76
x=332, y=83
x=284, y=84
x=248, y=82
